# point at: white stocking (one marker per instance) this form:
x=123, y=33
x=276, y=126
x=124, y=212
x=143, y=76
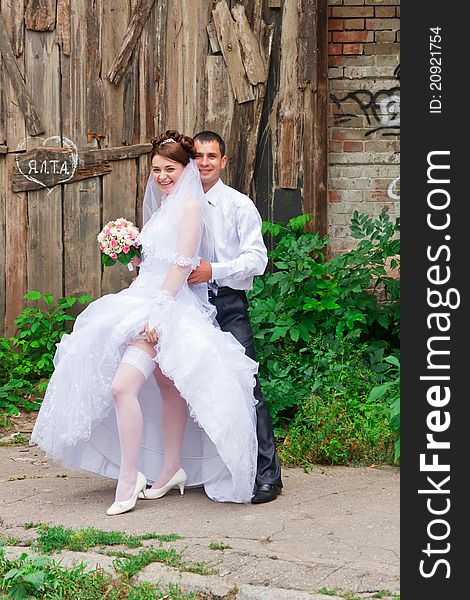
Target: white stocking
x=175, y=415
x=126, y=385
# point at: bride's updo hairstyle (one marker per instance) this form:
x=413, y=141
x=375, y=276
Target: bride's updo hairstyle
x=173, y=145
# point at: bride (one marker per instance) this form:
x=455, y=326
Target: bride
x=146, y=388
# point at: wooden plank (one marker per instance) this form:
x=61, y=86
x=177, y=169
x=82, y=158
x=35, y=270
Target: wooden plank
x=95, y=120
x=186, y=49
x=245, y=127
x=114, y=25
x=158, y=73
x=228, y=40
x=213, y=40
x=136, y=24
x=63, y=25
x=3, y=185
x=173, y=114
x=45, y=242
x=82, y=199
x=319, y=196
x=119, y=200
x=31, y=115
x=147, y=100
x=288, y=100
x=3, y=149
x=131, y=122
x=20, y=184
x=119, y=153
x=220, y=100
x=74, y=76
x=42, y=75
x=146, y=103
x=143, y=172
x=42, y=67
x=3, y=115
x=13, y=15
x=15, y=129
x=40, y=15
x=131, y=119
x=275, y=3
x=253, y=62
x=307, y=44
x=119, y=195
x=82, y=255
x=16, y=225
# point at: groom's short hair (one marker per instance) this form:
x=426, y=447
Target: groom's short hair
x=211, y=136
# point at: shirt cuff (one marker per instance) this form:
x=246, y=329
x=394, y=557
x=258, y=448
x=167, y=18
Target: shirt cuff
x=219, y=271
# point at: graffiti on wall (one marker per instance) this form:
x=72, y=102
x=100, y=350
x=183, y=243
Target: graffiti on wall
x=393, y=190
x=381, y=108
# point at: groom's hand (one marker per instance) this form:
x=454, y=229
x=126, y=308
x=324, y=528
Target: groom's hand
x=201, y=274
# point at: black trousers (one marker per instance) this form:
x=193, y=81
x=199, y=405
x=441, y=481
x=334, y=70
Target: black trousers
x=232, y=316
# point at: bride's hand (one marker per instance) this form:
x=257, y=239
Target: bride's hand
x=151, y=334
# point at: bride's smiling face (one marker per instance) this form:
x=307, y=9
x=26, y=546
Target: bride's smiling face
x=166, y=172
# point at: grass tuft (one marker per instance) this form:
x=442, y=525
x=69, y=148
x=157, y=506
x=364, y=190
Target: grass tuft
x=57, y=538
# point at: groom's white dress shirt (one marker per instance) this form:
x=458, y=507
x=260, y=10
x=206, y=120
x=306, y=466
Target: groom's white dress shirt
x=240, y=253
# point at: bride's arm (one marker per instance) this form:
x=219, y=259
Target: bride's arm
x=189, y=238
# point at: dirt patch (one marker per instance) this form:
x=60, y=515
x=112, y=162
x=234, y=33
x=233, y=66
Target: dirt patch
x=21, y=423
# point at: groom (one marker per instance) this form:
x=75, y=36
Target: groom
x=240, y=255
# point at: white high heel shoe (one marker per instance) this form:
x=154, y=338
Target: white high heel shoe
x=121, y=507
x=179, y=479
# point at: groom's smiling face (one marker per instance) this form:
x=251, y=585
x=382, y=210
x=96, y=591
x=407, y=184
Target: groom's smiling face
x=210, y=162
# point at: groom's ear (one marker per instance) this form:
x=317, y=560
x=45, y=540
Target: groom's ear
x=223, y=161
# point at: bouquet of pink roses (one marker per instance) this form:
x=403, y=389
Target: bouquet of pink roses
x=118, y=243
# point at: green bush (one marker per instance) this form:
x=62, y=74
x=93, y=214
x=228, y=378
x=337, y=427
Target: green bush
x=26, y=360
x=319, y=323
x=390, y=391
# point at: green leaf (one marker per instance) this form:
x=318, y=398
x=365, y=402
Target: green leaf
x=397, y=449
x=294, y=334
x=35, y=579
x=33, y=295
x=311, y=304
x=67, y=302
x=11, y=574
x=107, y=260
x=298, y=223
x=379, y=390
x=19, y=592
x=281, y=265
x=393, y=360
x=48, y=298
x=329, y=302
x=279, y=332
x=124, y=258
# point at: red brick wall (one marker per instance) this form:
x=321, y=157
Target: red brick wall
x=364, y=120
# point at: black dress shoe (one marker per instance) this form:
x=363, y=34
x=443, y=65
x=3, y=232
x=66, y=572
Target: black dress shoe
x=265, y=493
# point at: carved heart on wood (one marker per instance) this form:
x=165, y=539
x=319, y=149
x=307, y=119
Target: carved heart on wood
x=49, y=165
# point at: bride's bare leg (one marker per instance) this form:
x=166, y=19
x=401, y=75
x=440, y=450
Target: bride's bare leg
x=174, y=416
x=125, y=388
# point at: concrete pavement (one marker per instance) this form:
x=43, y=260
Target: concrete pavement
x=335, y=529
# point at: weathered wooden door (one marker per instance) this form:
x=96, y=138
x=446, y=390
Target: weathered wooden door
x=85, y=84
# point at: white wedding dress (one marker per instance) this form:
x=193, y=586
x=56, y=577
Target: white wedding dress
x=76, y=424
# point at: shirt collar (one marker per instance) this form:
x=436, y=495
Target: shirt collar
x=213, y=195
